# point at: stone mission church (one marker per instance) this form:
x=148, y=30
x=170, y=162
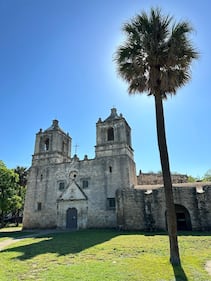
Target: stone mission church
x=104, y=192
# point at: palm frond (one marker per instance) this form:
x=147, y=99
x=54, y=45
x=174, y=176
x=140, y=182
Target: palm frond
x=138, y=85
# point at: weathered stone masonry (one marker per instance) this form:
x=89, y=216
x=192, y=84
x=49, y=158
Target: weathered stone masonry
x=66, y=192
x=143, y=208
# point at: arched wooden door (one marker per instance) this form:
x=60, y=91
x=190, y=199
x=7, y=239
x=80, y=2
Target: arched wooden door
x=71, y=218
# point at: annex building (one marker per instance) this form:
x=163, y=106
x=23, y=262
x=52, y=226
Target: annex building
x=105, y=192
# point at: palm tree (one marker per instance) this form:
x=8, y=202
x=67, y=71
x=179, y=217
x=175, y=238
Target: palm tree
x=156, y=58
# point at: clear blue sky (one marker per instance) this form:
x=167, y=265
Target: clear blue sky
x=56, y=61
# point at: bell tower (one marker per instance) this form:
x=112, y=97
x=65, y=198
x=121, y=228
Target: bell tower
x=52, y=145
x=114, y=150
x=113, y=136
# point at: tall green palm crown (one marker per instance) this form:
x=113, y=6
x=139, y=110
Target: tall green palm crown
x=156, y=55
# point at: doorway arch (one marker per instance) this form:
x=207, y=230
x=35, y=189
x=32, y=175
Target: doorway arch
x=71, y=218
x=183, y=218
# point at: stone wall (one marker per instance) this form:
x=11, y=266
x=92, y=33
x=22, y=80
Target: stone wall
x=144, y=209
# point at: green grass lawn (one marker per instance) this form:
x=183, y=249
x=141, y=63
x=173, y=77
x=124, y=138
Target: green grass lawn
x=105, y=255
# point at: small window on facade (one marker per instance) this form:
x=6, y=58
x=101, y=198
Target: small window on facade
x=110, y=134
x=85, y=184
x=111, y=203
x=39, y=206
x=110, y=169
x=61, y=186
x=46, y=145
x=41, y=177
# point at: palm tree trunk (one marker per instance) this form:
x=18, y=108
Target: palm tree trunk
x=170, y=207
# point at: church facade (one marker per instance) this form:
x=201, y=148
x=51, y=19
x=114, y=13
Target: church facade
x=66, y=192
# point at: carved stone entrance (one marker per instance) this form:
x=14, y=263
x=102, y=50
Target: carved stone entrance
x=71, y=218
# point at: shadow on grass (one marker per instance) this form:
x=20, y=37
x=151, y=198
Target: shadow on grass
x=194, y=233
x=11, y=234
x=63, y=243
x=14, y=234
x=179, y=273
x=180, y=233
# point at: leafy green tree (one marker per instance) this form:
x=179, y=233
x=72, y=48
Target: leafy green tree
x=192, y=179
x=207, y=176
x=18, y=203
x=156, y=58
x=8, y=190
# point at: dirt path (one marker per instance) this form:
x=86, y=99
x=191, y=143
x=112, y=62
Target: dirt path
x=208, y=267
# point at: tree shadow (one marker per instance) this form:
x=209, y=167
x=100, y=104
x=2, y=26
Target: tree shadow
x=179, y=273
x=62, y=243
x=10, y=234
x=194, y=233
x=180, y=233
x=15, y=234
